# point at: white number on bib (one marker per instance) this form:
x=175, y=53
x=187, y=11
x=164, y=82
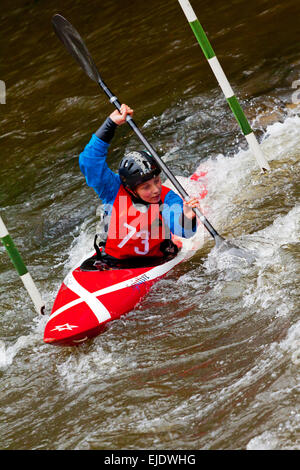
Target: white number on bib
x=144, y=241
x=143, y=234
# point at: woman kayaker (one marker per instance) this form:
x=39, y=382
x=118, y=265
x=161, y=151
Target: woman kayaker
x=139, y=214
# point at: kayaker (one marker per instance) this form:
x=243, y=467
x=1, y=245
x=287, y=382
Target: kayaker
x=139, y=214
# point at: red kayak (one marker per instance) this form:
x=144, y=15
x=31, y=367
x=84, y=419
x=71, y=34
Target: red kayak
x=90, y=298
x=87, y=300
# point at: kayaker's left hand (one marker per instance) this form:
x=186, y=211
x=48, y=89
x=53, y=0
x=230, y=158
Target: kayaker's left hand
x=119, y=117
x=188, y=207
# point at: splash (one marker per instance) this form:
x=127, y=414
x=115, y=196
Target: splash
x=7, y=354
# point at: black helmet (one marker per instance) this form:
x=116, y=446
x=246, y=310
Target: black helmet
x=136, y=168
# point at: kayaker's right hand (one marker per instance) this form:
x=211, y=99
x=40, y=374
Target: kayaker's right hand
x=119, y=117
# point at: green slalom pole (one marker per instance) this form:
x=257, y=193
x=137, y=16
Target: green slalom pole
x=224, y=84
x=21, y=268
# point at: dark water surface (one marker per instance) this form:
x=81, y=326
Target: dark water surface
x=210, y=360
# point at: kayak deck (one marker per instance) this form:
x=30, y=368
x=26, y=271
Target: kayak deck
x=91, y=296
x=88, y=300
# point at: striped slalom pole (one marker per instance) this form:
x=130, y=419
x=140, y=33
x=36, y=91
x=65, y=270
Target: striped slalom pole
x=21, y=268
x=224, y=84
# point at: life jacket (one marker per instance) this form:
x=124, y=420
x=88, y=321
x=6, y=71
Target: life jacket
x=135, y=229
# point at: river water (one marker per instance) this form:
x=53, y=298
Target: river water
x=210, y=359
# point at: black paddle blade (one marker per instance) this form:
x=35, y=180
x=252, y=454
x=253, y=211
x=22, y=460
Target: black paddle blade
x=75, y=45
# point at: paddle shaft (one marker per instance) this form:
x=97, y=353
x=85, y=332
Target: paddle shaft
x=114, y=100
x=224, y=84
x=21, y=268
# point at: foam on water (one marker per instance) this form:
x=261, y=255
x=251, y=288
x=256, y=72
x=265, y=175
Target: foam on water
x=7, y=354
x=82, y=246
x=273, y=440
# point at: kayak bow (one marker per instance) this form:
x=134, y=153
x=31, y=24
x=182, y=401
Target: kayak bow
x=88, y=300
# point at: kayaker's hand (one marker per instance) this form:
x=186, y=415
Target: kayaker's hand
x=119, y=117
x=188, y=207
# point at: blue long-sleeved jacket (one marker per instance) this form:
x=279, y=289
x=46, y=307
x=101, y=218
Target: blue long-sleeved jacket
x=106, y=183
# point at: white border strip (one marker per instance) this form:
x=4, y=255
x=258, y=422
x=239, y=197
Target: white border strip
x=256, y=150
x=188, y=10
x=3, y=229
x=221, y=77
x=33, y=292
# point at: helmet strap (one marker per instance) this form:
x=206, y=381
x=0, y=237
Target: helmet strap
x=135, y=197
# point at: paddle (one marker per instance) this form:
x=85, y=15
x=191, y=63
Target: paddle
x=224, y=84
x=76, y=47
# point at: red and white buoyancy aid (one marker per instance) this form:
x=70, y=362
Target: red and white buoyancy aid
x=135, y=230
